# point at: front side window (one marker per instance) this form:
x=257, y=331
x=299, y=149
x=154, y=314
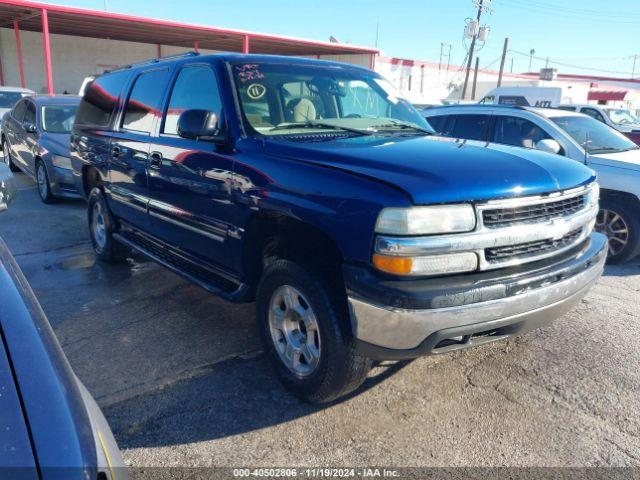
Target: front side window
x=30, y=113
x=469, y=127
x=195, y=88
x=18, y=110
x=518, y=132
x=438, y=123
x=9, y=99
x=100, y=99
x=593, y=114
x=294, y=99
x=594, y=136
x=143, y=105
x=58, y=118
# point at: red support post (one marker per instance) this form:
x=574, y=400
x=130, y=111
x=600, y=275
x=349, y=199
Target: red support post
x=16, y=30
x=47, y=50
x=196, y=47
x=1, y=73
x=245, y=44
x=159, y=50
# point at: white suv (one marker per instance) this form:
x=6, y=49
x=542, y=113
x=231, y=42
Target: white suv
x=614, y=157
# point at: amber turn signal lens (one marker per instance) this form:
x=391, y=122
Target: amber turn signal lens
x=396, y=265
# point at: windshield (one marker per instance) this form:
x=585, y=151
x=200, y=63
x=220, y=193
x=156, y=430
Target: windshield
x=622, y=117
x=58, y=118
x=298, y=99
x=9, y=99
x=594, y=136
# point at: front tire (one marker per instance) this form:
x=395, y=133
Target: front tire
x=6, y=154
x=44, y=187
x=101, y=229
x=305, y=329
x=620, y=222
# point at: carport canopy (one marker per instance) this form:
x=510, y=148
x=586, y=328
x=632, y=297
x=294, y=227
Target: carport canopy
x=48, y=18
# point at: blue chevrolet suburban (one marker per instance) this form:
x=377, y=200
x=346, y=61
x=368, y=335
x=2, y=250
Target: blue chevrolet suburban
x=314, y=189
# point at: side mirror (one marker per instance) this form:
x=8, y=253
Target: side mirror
x=199, y=125
x=548, y=145
x=30, y=127
x=8, y=188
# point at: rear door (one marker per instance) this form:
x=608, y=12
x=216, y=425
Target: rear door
x=29, y=139
x=468, y=126
x=15, y=131
x=129, y=152
x=190, y=180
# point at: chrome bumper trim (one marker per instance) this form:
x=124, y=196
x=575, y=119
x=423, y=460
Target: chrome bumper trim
x=406, y=329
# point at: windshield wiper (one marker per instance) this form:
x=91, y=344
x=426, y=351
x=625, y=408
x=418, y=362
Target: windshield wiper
x=403, y=125
x=293, y=125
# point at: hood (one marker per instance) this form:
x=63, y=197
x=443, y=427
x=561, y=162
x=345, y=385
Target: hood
x=57, y=143
x=629, y=159
x=434, y=169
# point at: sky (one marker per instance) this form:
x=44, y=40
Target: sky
x=578, y=36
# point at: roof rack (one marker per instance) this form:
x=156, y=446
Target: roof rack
x=192, y=53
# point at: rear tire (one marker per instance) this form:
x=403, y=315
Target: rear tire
x=101, y=229
x=620, y=222
x=44, y=187
x=7, y=157
x=299, y=313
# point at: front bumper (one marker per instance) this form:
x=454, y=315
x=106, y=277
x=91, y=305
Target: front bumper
x=62, y=182
x=395, y=320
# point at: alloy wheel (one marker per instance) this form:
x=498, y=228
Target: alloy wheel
x=294, y=330
x=615, y=228
x=43, y=186
x=98, y=228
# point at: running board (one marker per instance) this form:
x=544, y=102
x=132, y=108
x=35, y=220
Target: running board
x=203, y=276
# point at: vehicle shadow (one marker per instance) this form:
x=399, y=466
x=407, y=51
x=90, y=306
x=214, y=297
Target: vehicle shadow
x=631, y=267
x=237, y=397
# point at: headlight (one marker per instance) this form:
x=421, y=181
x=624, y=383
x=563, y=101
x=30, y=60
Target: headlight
x=594, y=195
x=427, y=265
x=426, y=220
x=61, y=162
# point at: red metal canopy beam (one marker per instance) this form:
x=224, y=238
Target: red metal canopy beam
x=47, y=50
x=245, y=44
x=16, y=30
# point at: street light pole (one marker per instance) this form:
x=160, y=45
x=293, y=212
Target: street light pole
x=471, y=50
x=532, y=52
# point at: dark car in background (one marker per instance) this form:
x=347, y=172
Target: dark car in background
x=50, y=426
x=35, y=140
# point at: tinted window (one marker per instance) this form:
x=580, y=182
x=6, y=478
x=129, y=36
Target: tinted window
x=196, y=88
x=567, y=108
x=595, y=136
x=593, y=114
x=18, y=111
x=100, y=99
x=518, y=131
x=9, y=99
x=30, y=113
x=438, y=122
x=470, y=127
x=144, y=101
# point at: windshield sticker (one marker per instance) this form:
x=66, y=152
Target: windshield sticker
x=256, y=91
x=248, y=72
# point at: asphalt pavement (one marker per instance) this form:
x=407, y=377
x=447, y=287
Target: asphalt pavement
x=182, y=379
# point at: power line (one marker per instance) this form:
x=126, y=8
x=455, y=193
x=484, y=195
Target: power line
x=598, y=18
x=580, y=67
x=555, y=8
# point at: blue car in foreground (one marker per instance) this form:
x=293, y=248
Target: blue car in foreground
x=50, y=426
x=314, y=189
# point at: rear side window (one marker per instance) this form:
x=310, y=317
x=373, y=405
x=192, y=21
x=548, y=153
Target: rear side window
x=196, y=88
x=470, y=127
x=438, y=122
x=518, y=132
x=593, y=113
x=567, y=108
x=18, y=110
x=100, y=99
x=145, y=100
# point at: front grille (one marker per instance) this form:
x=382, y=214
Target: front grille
x=504, y=217
x=530, y=249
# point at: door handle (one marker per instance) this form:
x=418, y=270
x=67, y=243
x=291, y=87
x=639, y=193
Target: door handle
x=155, y=160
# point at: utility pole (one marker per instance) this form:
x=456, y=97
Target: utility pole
x=532, y=52
x=633, y=71
x=511, y=70
x=442, y=55
x=504, y=57
x=471, y=50
x=475, y=79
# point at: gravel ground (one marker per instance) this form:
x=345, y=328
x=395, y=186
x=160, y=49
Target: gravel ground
x=181, y=377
